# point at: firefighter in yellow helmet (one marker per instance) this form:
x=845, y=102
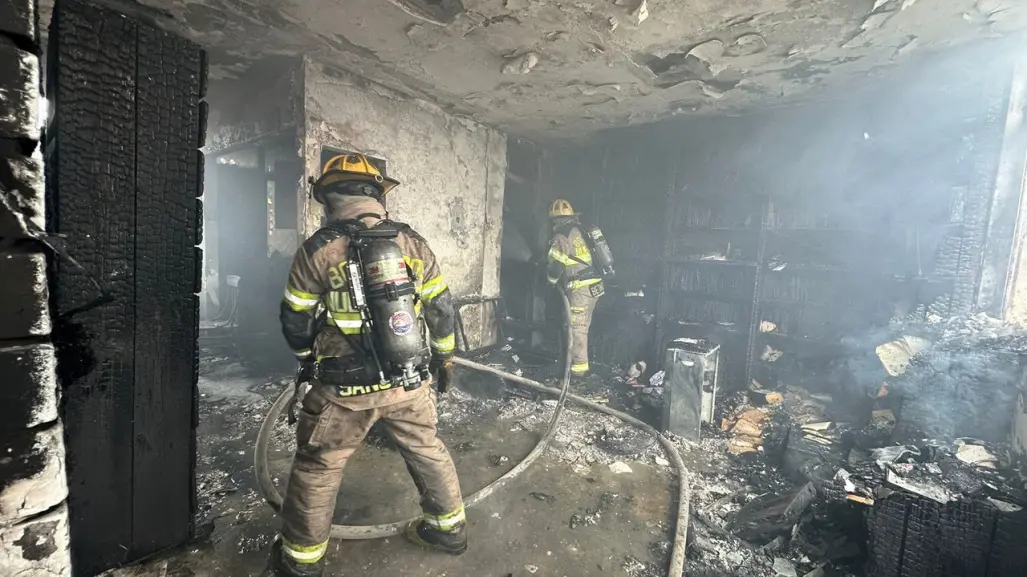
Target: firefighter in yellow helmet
x=342, y=343
x=570, y=267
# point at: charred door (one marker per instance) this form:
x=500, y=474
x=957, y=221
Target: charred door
x=124, y=176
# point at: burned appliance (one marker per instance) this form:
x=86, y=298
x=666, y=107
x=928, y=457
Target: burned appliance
x=689, y=386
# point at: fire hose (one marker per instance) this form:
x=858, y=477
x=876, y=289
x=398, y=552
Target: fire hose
x=357, y=532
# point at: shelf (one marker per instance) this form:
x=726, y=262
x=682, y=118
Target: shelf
x=866, y=272
x=815, y=229
x=815, y=268
x=641, y=258
x=712, y=327
x=929, y=280
x=700, y=295
x=687, y=260
x=679, y=231
x=808, y=340
x=814, y=304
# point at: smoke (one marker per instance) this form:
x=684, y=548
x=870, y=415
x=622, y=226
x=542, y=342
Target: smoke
x=515, y=247
x=964, y=385
x=904, y=166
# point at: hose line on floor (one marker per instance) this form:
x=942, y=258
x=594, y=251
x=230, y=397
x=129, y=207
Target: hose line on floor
x=356, y=532
x=677, y=557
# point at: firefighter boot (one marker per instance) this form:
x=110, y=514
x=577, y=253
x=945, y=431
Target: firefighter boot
x=423, y=535
x=284, y=567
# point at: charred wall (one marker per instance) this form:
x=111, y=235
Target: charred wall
x=452, y=173
x=801, y=228
x=33, y=484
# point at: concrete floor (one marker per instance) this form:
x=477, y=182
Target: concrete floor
x=513, y=533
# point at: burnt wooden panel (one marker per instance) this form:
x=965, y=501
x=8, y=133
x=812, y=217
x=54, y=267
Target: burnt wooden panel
x=1008, y=555
x=92, y=172
x=169, y=120
x=912, y=536
x=124, y=177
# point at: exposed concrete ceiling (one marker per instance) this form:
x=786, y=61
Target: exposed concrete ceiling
x=552, y=67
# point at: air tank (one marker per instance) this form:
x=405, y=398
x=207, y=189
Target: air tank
x=391, y=294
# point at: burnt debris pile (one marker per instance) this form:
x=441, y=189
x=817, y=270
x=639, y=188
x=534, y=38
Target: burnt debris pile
x=963, y=382
x=904, y=472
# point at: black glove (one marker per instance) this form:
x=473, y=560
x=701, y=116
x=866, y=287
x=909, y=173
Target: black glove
x=440, y=367
x=304, y=373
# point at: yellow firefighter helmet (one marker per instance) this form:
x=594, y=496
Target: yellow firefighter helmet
x=560, y=208
x=352, y=167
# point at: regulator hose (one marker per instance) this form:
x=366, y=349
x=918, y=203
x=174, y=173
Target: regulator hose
x=352, y=532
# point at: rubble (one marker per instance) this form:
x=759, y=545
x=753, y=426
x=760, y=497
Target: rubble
x=895, y=355
x=760, y=396
x=777, y=484
x=770, y=354
x=641, y=13
x=976, y=455
x=619, y=468
x=520, y=64
x=746, y=427
x=636, y=568
x=591, y=517
x=784, y=568
x=844, y=446
x=952, y=388
x=635, y=372
x=768, y=516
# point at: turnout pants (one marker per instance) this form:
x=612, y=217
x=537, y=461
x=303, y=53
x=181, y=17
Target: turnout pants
x=328, y=434
x=583, y=304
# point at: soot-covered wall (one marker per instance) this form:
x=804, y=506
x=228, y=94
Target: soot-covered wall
x=452, y=173
x=33, y=483
x=799, y=227
x=261, y=103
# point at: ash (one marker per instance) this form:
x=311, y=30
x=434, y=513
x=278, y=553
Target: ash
x=232, y=405
x=583, y=438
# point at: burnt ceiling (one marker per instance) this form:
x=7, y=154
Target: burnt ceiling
x=555, y=67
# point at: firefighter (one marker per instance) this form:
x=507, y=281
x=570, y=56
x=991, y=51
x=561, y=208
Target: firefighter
x=343, y=403
x=570, y=268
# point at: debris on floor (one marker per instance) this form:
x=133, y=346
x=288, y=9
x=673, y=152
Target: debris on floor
x=809, y=472
x=619, y=468
x=794, y=478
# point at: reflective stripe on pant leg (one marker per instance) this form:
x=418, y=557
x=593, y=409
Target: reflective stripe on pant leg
x=445, y=344
x=447, y=522
x=411, y=424
x=579, y=368
x=304, y=554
